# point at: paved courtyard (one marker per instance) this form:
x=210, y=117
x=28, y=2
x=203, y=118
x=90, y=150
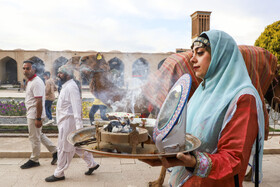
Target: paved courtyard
x=112, y=172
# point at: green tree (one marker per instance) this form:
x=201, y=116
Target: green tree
x=270, y=39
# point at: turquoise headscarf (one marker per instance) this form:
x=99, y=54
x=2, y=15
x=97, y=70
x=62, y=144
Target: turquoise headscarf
x=226, y=76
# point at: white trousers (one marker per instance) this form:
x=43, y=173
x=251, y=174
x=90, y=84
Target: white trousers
x=64, y=160
x=36, y=137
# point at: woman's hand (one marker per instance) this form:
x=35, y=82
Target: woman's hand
x=186, y=160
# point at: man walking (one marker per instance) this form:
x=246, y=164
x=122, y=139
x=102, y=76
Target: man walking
x=35, y=112
x=97, y=105
x=50, y=97
x=69, y=118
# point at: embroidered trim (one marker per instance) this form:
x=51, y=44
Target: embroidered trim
x=203, y=164
x=200, y=42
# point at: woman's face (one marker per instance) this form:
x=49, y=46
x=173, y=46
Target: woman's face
x=201, y=60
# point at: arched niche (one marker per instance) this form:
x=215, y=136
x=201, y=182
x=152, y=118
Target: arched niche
x=60, y=61
x=40, y=66
x=8, y=71
x=117, y=71
x=140, y=69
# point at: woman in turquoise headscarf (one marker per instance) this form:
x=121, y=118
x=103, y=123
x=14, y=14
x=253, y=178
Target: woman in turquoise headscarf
x=225, y=113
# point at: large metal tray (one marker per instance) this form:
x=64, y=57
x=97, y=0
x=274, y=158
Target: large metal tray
x=148, y=151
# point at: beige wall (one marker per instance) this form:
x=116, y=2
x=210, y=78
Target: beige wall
x=49, y=58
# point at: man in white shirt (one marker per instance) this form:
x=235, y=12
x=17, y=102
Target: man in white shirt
x=69, y=118
x=35, y=113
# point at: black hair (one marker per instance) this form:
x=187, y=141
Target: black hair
x=203, y=35
x=208, y=48
x=28, y=61
x=32, y=64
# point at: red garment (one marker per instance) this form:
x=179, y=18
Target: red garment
x=234, y=147
x=30, y=79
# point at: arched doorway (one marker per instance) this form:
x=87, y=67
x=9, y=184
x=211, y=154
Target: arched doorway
x=40, y=66
x=117, y=71
x=8, y=70
x=57, y=63
x=140, y=69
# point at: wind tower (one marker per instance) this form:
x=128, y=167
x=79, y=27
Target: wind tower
x=200, y=22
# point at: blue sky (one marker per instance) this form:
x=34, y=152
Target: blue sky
x=126, y=25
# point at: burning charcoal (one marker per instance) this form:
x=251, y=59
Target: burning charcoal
x=126, y=129
x=108, y=128
x=112, y=124
x=117, y=129
x=115, y=123
x=105, y=127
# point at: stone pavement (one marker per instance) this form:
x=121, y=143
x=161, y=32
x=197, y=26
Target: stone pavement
x=112, y=172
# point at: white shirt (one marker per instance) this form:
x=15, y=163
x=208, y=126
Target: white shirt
x=35, y=88
x=68, y=113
